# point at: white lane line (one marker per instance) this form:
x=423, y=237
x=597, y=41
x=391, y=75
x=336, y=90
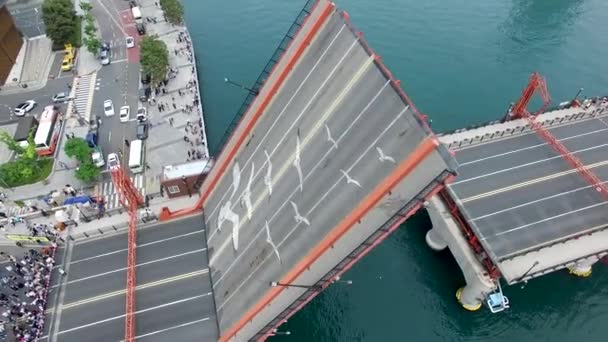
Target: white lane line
x=544, y=220
x=138, y=265
x=286, y=238
x=527, y=164
x=532, y=202
x=172, y=328
x=311, y=133
x=136, y=313
x=314, y=67
x=112, y=18
x=138, y=246
x=352, y=124
x=531, y=147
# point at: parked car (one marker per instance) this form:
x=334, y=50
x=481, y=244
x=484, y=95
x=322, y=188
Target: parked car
x=105, y=46
x=130, y=41
x=113, y=161
x=105, y=57
x=144, y=93
x=25, y=107
x=61, y=97
x=141, y=28
x=108, y=107
x=124, y=113
x=142, y=114
x=67, y=64
x=142, y=130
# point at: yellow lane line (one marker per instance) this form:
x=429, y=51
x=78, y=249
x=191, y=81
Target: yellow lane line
x=528, y=183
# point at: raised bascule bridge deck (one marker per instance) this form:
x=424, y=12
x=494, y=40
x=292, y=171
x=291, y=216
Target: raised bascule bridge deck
x=528, y=211
x=327, y=158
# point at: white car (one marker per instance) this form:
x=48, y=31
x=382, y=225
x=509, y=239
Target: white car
x=108, y=107
x=61, y=97
x=25, y=107
x=130, y=42
x=113, y=161
x=142, y=114
x=124, y=113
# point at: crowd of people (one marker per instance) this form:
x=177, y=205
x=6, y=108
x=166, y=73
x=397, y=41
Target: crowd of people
x=23, y=293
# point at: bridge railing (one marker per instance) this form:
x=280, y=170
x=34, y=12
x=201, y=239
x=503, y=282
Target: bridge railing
x=270, y=65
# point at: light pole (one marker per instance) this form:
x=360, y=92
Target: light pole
x=276, y=332
x=229, y=81
x=580, y=90
x=310, y=287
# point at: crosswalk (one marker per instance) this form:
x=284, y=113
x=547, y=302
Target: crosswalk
x=15, y=211
x=82, y=93
x=110, y=195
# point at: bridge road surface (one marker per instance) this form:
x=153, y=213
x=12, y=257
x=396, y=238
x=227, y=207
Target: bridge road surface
x=519, y=195
x=173, y=296
x=286, y=187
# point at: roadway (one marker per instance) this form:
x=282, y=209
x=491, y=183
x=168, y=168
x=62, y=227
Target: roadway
x=520, y=195
x=329, y=117
x=173, y=296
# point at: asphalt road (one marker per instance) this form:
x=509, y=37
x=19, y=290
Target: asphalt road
x=334, y=86
x=173, y=297
x=118, y=81
x=520, y=195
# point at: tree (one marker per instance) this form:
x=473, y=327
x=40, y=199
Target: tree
x=29, y=152
x=85, y=6
x=174, y=11
x=87, y=171
x=154, y=58
x=10, y=142
x=93, y=44
x=60, y=20
x=79, y=149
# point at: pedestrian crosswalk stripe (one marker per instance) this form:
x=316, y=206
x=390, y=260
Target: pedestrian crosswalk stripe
x=110, y=195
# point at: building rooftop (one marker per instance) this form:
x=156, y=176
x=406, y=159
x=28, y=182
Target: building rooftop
x=186, y=169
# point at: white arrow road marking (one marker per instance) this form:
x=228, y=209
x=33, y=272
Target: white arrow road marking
x=236, y=178
x=296, y=163
x=247, y=193
x=329, y=138
x=268, y=176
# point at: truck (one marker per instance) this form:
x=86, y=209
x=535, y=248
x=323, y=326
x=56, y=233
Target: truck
x=96, y=155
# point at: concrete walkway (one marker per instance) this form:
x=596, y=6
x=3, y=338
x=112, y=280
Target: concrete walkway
x=36, y=66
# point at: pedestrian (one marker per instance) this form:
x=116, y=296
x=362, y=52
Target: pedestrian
x=174, y=105
x=67, y=135
x=186, y=139
x=148, y=166
x=127, y=142
x=73, y=135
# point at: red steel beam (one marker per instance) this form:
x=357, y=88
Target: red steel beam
x=274, y=87
x=402, y=170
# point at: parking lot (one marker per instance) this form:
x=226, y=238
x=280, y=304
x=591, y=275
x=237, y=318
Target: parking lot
x=173, y=295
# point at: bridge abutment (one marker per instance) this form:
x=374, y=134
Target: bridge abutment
x=445, y=232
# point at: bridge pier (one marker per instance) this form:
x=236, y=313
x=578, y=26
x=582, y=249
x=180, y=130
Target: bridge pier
x=445, y=232
x=435, y=240
x=582, y=268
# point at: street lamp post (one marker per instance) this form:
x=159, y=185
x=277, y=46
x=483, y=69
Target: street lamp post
x=580, y=90
x=310, y=287
x=276, y=332
x=227, y=80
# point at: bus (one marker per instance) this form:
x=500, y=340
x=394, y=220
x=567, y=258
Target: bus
x=136, y=156
x=48, y=131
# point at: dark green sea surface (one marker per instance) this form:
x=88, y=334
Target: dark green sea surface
x=462, y=63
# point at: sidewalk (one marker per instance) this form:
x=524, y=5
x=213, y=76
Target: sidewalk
x=112, y=222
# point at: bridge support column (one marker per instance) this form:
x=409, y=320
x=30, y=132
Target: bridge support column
x=479, y=284
x=435, y=240
x=582, y=268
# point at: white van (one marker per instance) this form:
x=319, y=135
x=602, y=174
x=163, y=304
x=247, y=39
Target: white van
x=136, y=156
x=136, y=13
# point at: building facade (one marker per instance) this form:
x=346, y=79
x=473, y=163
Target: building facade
x=10, y=43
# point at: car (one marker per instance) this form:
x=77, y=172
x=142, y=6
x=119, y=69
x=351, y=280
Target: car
x=25, y=107
x=141, y=28
x=142, y=114
x=113, y=161
x=144, y=93
x=130, y=41
x=105, y=57
x=67, y=64
x=108, y=107
x=61, y=97
x=124, y=113
x=105, y=46
x=144, y=78
x=142, y=130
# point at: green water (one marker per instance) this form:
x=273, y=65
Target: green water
x=462, y=62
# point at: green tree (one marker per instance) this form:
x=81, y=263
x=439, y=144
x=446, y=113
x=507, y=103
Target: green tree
x=174, y=11
x=93, y=44
x=10, y=142
x=60, y=20
x=29, y=152
x=154, y=58
x=87, y=171
x=79, y=149
x=85, y=6
x=89, y=28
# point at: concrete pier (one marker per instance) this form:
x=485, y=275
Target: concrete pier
x=445, y=231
